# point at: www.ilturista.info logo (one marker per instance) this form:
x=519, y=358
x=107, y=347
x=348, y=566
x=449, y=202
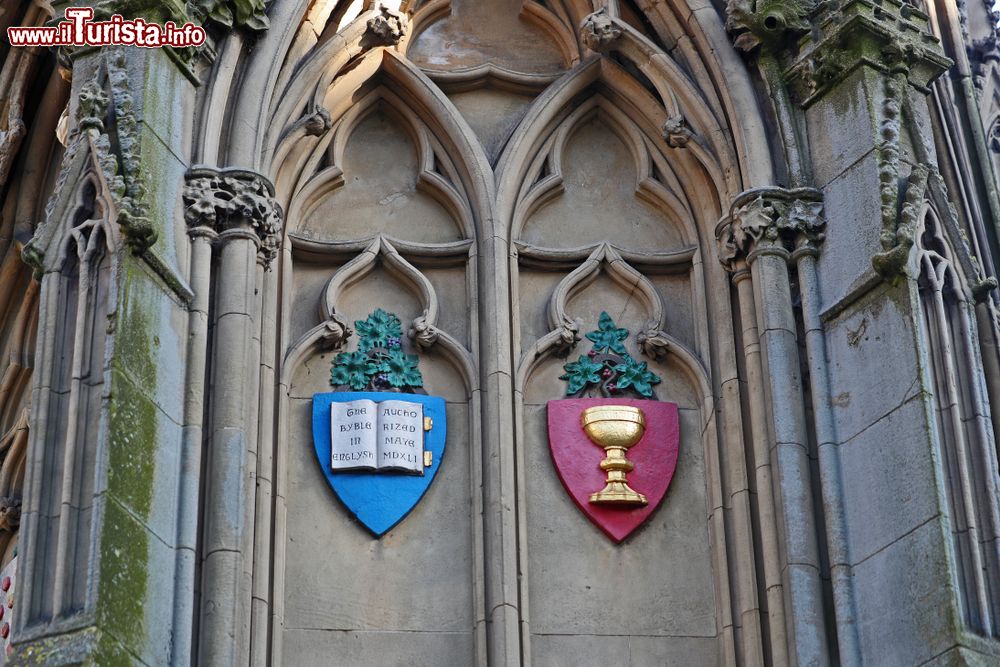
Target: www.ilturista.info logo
x=79, y=29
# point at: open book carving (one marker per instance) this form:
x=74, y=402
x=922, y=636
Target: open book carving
x=387, y=436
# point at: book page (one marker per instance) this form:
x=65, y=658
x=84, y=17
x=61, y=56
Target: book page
x=401, y=436
x=353, y=435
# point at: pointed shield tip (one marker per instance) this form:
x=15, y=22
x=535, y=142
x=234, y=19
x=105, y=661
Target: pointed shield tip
x=585, y=467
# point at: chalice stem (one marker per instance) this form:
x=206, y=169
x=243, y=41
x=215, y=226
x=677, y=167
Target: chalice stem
x=616, y=490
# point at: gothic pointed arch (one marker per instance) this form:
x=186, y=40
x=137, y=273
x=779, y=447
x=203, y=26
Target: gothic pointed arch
x=452, y=192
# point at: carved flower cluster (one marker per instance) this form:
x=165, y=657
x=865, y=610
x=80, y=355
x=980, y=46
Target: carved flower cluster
x=379, y=363
x=608, y=368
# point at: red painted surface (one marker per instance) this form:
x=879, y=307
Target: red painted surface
x=577, y=460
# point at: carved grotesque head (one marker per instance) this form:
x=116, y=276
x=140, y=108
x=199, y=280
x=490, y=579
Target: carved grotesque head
x=599, y=31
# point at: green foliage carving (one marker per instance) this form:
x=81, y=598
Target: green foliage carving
x=632, y=373
x=608, y=369
x=353, y=369
x=380, y=364
x=608, y=336
x=401, y=369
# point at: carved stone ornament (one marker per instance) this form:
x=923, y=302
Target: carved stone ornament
x=318, y=122
x=10, y=514
x=771, y=220
x=891, y=36
x=92, y=107
x=677, y=131
x=249, y=14
x=599, y=31
x=230, y=199
x=766, y=22
x=387, y=27
x=115, y=149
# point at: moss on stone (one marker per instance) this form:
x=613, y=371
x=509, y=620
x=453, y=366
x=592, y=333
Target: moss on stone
x=132, y=442
x=124, y=577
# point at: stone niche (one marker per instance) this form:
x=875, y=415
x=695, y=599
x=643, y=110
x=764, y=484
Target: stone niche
x=411, y=592
x=653, y=596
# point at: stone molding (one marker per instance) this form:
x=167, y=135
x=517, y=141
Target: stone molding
x=771, y=220
x=233, y=201
x=889, y=36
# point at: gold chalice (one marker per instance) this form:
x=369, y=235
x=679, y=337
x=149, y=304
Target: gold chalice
x=615, y=428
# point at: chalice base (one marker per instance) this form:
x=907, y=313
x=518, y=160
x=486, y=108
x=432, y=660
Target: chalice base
x=617, y=493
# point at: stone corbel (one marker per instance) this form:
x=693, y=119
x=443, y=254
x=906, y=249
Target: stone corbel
x=771, y=220
x=386, y=28
x=234, y=202
x=598, y=31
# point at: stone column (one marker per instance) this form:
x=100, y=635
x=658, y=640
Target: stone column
x=756, y=232
x=860, y=77
x=239, y=204
x=189, y=489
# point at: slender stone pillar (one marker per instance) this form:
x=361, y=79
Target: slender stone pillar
x=239, y=204
x=757, y=232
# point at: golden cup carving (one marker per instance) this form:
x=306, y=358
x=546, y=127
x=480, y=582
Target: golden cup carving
x=615, y=428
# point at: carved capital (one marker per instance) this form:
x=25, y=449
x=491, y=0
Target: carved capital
x=891, y=36
x=599, y=32
x=767, y=23
x=774, y=220
x=229, y=199
x=386, y=28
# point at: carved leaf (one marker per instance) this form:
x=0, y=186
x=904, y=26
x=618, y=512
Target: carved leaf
x=608, y=336
x=580, y=373
x=353, y=369
x=378, y=330
x=400, y=369
x=632, y=373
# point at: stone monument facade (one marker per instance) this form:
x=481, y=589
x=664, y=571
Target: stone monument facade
x=790, y=208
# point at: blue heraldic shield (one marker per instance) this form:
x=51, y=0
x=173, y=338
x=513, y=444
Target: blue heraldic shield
x=379, y=500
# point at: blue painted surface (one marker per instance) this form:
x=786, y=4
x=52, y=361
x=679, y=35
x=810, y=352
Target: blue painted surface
x=379, y=500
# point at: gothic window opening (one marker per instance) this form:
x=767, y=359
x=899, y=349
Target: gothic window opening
x=968, y=454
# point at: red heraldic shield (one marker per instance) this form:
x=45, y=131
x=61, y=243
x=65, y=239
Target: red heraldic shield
x=578, y=458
